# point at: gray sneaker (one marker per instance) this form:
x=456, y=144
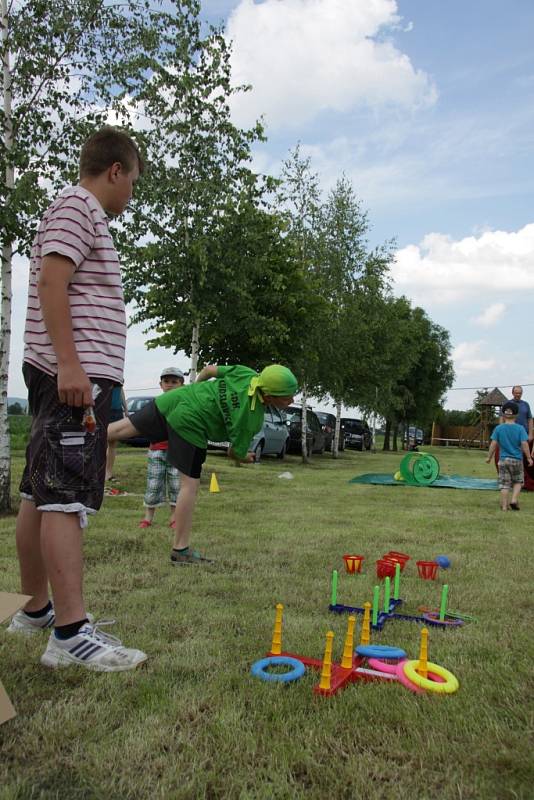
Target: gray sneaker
x=93, y=649
x=27, y=626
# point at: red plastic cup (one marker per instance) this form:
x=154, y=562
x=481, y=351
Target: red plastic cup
x=353, y=563
x=427, y=570
x=385, y=568
x=402, y=558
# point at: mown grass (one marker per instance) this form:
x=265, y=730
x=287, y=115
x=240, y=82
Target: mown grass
x=192, y=723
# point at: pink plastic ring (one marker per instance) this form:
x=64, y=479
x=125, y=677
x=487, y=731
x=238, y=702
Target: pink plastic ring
x=384, y=666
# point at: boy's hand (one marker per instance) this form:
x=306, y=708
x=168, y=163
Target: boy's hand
x=73, y=386
x=488, y=459
x=249, y=458
x=530, y=462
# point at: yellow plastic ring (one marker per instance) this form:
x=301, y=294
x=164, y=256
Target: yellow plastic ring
x=449, y=685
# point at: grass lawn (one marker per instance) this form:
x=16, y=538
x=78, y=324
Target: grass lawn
x=193, y=723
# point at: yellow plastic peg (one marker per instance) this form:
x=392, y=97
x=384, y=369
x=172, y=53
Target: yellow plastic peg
x=366, y=625
x=422, y=667
x=326, y=671
x=346, y=661
x=276, y=644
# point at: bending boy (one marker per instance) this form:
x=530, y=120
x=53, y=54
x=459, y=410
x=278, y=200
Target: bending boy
x=229, y=408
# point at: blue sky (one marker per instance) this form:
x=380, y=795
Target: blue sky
x=428, y=107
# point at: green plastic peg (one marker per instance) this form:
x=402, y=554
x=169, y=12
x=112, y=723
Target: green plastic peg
x=396, y=585
x=387, y=591
x=333, y=599
x=376, y=600
x=443, y=605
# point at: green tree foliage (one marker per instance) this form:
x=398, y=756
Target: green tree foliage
x=423, y=372
x=68, y=67
x=198, y=186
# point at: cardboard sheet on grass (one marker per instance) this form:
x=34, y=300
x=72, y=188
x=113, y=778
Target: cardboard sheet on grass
x=443, y=482
x=9, y=604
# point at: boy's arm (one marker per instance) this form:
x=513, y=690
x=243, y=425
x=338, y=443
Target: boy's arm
x=491, y=450
x=124, y=402
x=526, y=451
x=249, y=458
x=74, y=387
x=207, y=372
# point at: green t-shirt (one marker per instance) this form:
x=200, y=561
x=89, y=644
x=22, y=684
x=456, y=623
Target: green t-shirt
x=218, y=410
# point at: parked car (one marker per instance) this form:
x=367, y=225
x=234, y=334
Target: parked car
x=357, y=434
x=314, y=433
x=272, y=439
x=328, y=424
x=415, y=435
x=134, y=404
x=269, y=441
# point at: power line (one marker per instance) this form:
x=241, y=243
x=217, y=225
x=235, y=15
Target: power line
x=497, y=386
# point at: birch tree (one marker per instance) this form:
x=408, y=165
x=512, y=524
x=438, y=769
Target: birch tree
x=300, y=197
x=353, y=281
x=199, y=178
x=66, y=66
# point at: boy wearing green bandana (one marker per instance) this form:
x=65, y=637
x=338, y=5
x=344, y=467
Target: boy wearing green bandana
x=228, y=408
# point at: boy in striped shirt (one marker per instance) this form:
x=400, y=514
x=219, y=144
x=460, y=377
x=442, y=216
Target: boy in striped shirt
x=74, y=340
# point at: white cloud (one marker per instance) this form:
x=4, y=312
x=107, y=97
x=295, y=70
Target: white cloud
x=490, y=316
x=441, y=270
x=470, y=357
x=303, y=57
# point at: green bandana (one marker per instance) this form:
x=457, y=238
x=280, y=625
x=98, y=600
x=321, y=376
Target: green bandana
x=275, y=380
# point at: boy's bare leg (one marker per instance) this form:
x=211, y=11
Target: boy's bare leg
x=172, y=507
x=183, y=511
x=33, y=577
x=504, y=499
x=122, y=429
x=516, y=491
x=61, y=546
x=110, y=459
x=149, y=513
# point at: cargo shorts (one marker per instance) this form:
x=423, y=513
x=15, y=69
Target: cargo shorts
x=510, y=472
x=65, y=463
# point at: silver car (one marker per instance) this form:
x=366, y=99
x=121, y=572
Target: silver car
x=272, y=438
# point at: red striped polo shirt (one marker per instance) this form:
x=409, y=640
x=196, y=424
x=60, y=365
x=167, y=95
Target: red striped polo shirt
x=76, y=226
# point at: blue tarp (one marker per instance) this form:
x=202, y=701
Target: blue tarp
x=443, y=482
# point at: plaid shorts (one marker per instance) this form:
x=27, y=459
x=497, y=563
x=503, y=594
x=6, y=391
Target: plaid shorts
x=162, y=480
x=65, y=464
x=510, y=472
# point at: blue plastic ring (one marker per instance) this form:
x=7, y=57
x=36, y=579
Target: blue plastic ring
x=259, y=669
x=380, y=651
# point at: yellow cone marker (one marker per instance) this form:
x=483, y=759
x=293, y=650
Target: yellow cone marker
x=326, y=671
x=276, y=644
x=366, y=625
x=346, y=661
x=214, y=484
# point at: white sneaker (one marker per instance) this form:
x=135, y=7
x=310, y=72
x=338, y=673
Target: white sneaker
x=27, y=626
x=93, y=649
x=22, y=623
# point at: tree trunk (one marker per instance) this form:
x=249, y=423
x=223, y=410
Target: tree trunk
x=395, y=428
x=387, y=434
x=304, y=427
x=195, y=343
x=335, y=447
x=7, y=254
